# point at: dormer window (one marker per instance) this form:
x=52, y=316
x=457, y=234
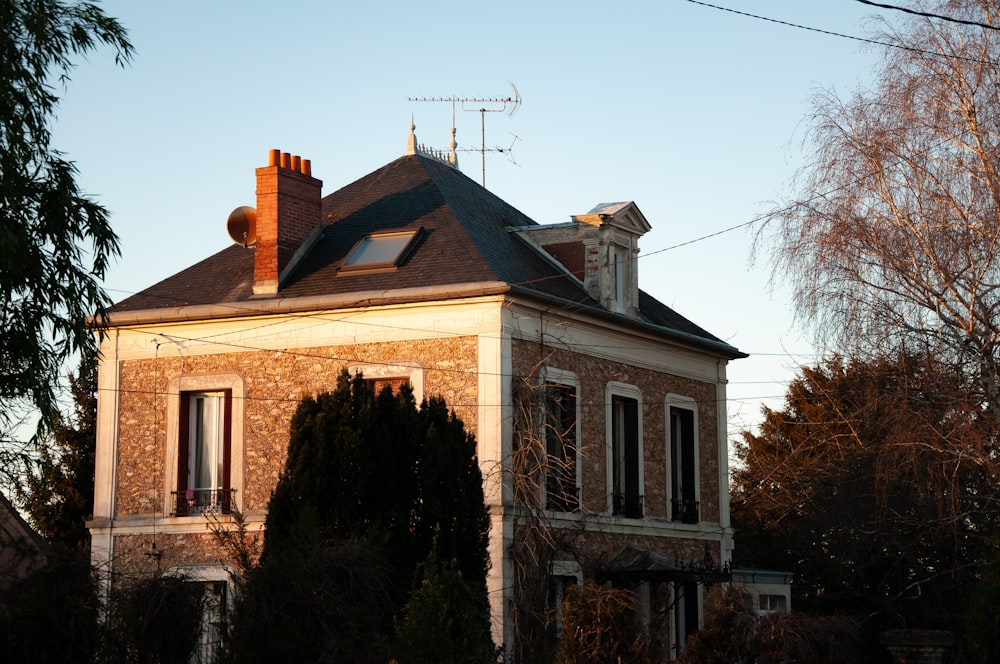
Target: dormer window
x=381, y=251
x=599, y=248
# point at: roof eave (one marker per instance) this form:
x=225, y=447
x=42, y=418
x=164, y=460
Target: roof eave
x=720, y=348
x=279, y=305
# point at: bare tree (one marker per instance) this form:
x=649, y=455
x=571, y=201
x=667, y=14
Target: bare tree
x=600, y=626
x=894, y=241
x=537, y=541
x=541, y=474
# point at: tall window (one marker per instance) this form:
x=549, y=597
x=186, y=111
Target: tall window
x=685, y=612
x=203, y=453
x=213, y=617
x=683, y=465
x=204, y=450
x=561, y=490
x=559, y=588
x=626, y=457
x=563, y=576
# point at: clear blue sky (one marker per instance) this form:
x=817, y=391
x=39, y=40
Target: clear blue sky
x=694, y=113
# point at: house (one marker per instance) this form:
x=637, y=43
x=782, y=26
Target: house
x=766, y=590
x=599, y=412
x=22, y=550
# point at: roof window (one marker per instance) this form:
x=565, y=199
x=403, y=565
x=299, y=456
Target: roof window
x=381, y=251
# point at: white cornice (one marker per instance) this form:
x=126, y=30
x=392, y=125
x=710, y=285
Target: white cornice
x=265, y=306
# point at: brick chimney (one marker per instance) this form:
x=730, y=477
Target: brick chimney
x=288, y=218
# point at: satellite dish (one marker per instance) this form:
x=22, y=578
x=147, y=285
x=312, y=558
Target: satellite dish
x=242, y=225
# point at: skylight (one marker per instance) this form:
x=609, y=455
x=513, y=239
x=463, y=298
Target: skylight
x=380, y=250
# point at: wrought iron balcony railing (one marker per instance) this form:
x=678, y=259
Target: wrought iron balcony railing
x=192, y=502
x=627, y=505
x=686, y=511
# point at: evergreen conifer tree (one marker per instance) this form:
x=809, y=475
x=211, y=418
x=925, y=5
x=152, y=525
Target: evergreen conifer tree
x=373, y=474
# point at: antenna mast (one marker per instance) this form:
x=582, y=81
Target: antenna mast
x=481, y=105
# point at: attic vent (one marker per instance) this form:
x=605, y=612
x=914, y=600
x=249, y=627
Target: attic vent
x=381, y=251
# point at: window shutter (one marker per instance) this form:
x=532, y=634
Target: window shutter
x=633, y=504
x=183, y=444
x=183, y=453
x=227, y=450
x=687, y=454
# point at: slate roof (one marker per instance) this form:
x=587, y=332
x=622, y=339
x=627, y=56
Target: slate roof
x=466, y=241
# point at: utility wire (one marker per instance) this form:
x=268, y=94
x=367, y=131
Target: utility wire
x=845, y=36
x=787, y=23
x=929, y=15
x=761, y=217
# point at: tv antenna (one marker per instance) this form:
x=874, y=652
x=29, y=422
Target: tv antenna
x=481, y=105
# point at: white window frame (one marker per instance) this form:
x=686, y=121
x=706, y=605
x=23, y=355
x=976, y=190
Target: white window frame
x=553, y=376
x=206, y=383
x=779, y=599
x=631, y=392
x=670, y=402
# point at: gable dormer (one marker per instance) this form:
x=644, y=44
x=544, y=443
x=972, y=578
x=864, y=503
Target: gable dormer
x=600, y=248
x=612, y=270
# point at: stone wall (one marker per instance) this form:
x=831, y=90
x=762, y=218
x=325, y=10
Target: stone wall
x=135, y=556
x=275, y=383
x=594, y=374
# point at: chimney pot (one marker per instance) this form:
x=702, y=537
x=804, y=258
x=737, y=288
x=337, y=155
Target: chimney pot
x=307, y=167
x=296, y=162
x=285, y=159
x=273, y=157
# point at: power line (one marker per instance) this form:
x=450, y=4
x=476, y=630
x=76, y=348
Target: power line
x=755, y=220
x=324, y=319
x=929, y=15
x=787, y=23
x=751, y=400
x=764, y=217
x=865, y=40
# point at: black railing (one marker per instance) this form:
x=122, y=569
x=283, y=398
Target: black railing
x=193, y=502
x=685, y=511
x=627, y=505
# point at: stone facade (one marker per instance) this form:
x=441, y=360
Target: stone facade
x=275, y=383
x=594, y=373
